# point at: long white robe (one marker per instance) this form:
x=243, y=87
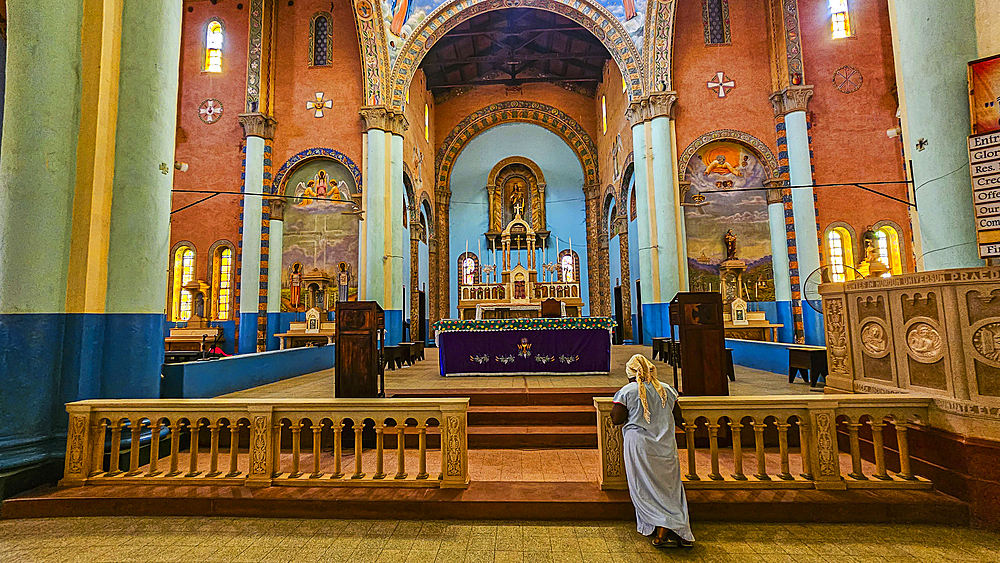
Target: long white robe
x=651, y=465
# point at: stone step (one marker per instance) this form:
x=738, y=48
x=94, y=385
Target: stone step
x=514, y=397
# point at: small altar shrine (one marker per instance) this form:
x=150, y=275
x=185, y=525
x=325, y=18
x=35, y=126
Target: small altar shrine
x=197, y=334
x=520, y=290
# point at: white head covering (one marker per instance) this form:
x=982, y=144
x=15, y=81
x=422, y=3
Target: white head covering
x=644, y=371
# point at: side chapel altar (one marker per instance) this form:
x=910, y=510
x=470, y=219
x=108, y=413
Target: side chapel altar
x=577, y=346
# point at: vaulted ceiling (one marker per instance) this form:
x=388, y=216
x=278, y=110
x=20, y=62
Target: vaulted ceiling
x=513, y=47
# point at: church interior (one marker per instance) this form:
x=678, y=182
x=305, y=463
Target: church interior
x=377, y=268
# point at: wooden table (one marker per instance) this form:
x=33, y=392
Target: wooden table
x=297, y=339
x=809, y=359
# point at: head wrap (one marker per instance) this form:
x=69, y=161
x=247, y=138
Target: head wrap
x=644, y=371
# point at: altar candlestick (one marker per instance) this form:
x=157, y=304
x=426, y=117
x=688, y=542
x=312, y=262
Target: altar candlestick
x=479, y=254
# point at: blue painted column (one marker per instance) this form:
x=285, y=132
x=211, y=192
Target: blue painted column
x=791, y=104
x=275, y=248
x=932, y=41
x=139, y=241
x=656, y=195
x=395, y=233
x=257, y=129
x=779, y=263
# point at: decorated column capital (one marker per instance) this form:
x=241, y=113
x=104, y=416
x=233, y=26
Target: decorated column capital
x=278, y=204
x=774, y=195
x=592, y=191
x=791, y=99
x=416, y=231
x=384, y=119
x=258, y=125
x=655, y=105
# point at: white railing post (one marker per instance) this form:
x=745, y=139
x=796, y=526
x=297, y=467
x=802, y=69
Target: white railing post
x=825, y=454
x=610, y=446
x=78, y=446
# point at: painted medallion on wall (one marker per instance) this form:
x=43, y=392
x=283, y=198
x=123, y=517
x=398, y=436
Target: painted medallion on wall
x=320, y=242
x=210, y=111
x=725, y=166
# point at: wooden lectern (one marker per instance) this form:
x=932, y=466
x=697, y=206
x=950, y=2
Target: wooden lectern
x=360, y=340
x=703, y=343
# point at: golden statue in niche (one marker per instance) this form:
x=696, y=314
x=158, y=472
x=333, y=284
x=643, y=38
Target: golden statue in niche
x=516, y=188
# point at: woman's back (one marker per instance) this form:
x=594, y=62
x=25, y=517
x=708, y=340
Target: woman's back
x=661, y=419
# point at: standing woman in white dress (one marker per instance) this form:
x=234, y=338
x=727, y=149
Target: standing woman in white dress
x=648, y=409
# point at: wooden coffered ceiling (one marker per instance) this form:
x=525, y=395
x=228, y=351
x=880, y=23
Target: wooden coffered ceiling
x=513, y=47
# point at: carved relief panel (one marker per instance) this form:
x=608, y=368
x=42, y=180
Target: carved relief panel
x=979, y=308
x=871, y=330
x=921, y=350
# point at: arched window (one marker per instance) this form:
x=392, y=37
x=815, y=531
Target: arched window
x=569, y=266
x=213, y=47
x=840, y=19
x=183, y=273
x=222, y=281
x=319, y=39
x=715, y=17
x=841, y=250
x=427, y=123
x=468, y=267
x=887, y=240
x=604, y=113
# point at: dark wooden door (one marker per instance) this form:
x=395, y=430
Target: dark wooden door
x=422, y=322
x=620, y=329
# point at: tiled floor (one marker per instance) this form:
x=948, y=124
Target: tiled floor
x=425, y=375
x=234, y=540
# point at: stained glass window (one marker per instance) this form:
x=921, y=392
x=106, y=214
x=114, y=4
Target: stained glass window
x=213, y=47
x=427, y=123
x=604, y=112
x=321, y=41
x=469, y=271
x=840, y=19
x=835, y=244
x=567, y=267
x=887, y=240
x=225, y=277
x=715, y=19
x=183, y=274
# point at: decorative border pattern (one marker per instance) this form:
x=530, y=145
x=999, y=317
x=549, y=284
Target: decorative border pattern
x=758, y=146
x=374, y=56
x=659, y=44
x=517, y=111
x=793, y=42
x=309, y=154
x=255, y=51
x=592, y=16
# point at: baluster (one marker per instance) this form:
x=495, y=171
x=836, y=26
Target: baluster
x=154, y=447
x=213, y=470
x=296, y=449
x=116, y=446
x=400, y=451
x=852, y=432
x=689, y=444
x=234, y=445
x=904, y=452
x=783, y=427
x=175, y=448
x=758, y=434
x=713, y=445
x=195, y=431
x=317, y=438
x=379, y=450
x=736, y=426
x=804, y=449
x=422, y=472
x=880, y=472
x=337, y=446
x=133, y=458
x=100, y=431
x=276, y=440
x=358, y=427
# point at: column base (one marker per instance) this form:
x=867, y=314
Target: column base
x=393, y=327
x=247, y=343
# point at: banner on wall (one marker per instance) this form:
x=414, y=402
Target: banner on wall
x=984, y=94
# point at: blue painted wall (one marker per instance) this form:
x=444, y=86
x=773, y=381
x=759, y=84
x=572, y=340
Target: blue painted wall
x=633, y=258
x=198, y=380
x=564, y=201
x=767, y=356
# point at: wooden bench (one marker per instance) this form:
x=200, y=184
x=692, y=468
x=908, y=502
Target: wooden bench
x=811, y=360
x=393, y=357
x=660, y=348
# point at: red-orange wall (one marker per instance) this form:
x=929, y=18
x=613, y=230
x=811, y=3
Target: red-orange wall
x=849, y=139
x=213, y=152
x=422, y=174
x=617, y=103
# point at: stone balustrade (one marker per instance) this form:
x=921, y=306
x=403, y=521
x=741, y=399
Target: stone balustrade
x=805, y=429
x=260, y=442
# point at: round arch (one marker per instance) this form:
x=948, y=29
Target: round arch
x=277, y=185
x=759, y=147
x=590, y=14
x=427, y=207
x=611, y=199
x=517, y=111
x=516, y=160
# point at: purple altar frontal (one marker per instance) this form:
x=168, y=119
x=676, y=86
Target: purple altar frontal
x=482, y=351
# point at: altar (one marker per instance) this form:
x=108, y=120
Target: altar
x=566, y=346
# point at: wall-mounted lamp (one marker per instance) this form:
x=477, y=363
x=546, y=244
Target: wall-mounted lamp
x=182, y=166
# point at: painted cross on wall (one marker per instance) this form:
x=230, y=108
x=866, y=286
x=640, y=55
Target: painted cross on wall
x=319, y=104
x=721, y=83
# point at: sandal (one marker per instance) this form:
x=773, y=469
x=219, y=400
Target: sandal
x=677, y=539
x=663, y=540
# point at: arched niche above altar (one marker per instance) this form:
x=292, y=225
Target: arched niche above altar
x=516, y=186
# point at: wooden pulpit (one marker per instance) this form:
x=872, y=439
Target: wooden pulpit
x=360, y=340
x=703, y=343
